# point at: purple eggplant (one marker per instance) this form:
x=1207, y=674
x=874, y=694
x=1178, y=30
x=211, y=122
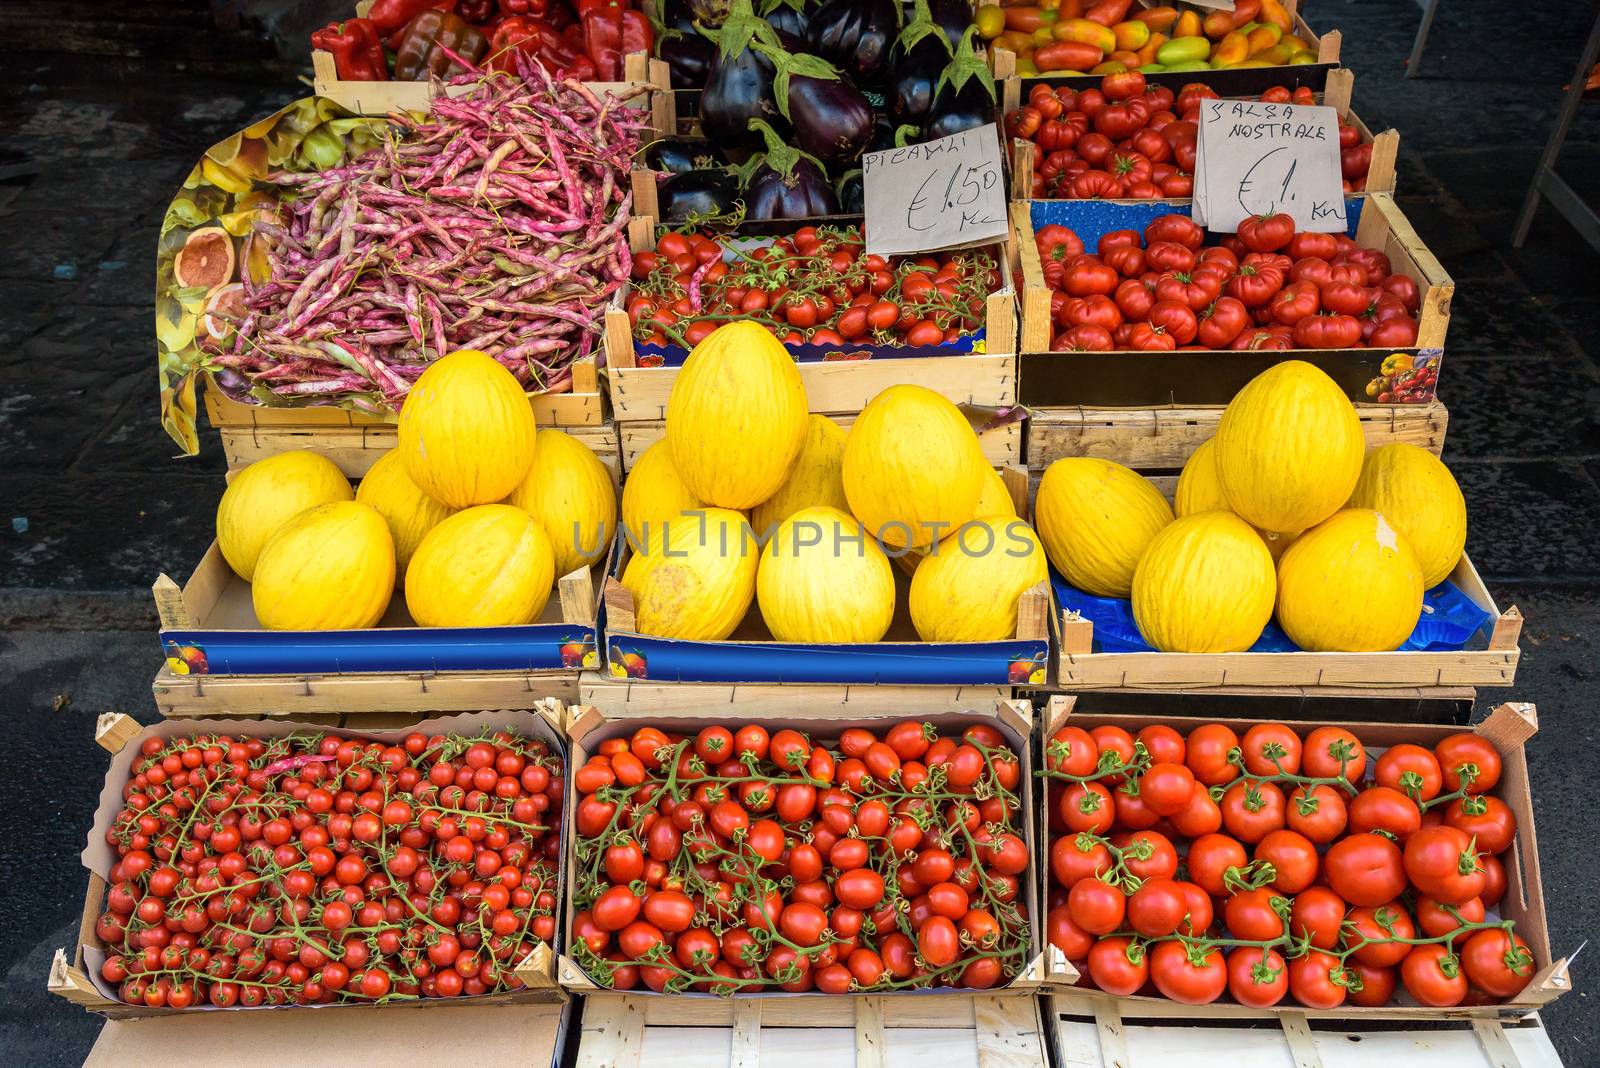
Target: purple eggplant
x=855, y=36
x=739, y=85
x=953, y=17
x=675, y=155
x=784, y=182
x=919, y=57
x=832, y=118
x=688, y=57
x=852, y=193
x=964, y=98
x=697, y=195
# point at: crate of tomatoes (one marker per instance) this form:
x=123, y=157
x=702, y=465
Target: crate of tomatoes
x=751, y=855
x=1330, y=869
x=1103, y=281
x=1132, y=140
x=855, y=323
x=331, y=867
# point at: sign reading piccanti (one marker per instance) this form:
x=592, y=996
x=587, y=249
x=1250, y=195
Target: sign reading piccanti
x=940, y=194
x=1255, y=158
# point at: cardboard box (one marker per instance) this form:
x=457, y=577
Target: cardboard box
x=589, y=726
x=77, y=977
x=1508, y=727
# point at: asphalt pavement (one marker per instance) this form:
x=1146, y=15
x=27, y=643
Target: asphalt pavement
x=93, y=505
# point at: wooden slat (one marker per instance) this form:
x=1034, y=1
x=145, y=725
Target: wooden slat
x=1002, y=445
x=1163, y=438
x=1008, y=1033
x=295, y=696
x=613, y=1033
x=871, y=1043
x=615, y=696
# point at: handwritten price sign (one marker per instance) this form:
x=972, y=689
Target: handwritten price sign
x=1261, y=159
x=942, y=194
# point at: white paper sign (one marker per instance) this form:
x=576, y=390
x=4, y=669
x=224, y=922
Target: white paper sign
x=941, y=194
x=1260, y=159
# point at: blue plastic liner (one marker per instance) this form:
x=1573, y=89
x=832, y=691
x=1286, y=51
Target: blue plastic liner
x=1091, y=219
x=1449, y=620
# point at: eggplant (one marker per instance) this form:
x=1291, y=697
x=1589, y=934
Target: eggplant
x=855, y=36
x=953, y=17
x=788, y=18
x=964, y=98
x=852, y=194
x=688, y=57
x=784, y=182
x=676, y=155
x=919, y=57
x=832, y=119
x=739, y=85
x=697, y=194
x=675, y=15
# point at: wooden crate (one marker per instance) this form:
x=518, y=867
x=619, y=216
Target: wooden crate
x=621, y=696
x=1079, y=667
x=1111, y=1033
x=1162, y=439
x=1335, y=94
x=588, y=726
x=1128, y=378
x=1001, y=440
x=1507, y=728
x=75, y=976
x=987, y=379
x=355, y=448
x=954, y=1031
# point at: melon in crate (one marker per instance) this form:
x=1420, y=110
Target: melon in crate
x=1349, y=584
x=409, y=512
x=736, y=416
x=1205, y=584
x=654, y=493
x=487, y=566
x=699, y=581
x=822, y=579
x=913, y=467
x=268, y=494
x=1289, y=448
x=569, y=491
x=967, y=587
x=1095, y=518
x=817, y=478
x=329, y=568
x=467, y=433
x=1416, y=492
x=1200, y=490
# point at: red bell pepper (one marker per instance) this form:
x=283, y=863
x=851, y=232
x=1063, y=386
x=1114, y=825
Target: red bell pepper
x=536, y=8
x=391, y=16
x=357, y=51
x=516, y=35
x=602, y=39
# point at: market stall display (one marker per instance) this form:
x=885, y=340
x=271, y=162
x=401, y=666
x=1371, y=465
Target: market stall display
x=1326, y=867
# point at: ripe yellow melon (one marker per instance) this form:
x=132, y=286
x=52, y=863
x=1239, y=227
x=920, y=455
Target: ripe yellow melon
x=569, y=491
x=1095, y=518
x=329, y=568
x=486, y=566
x=1349, y=584
x=269, y=493
x=817, y=478
x=1200, y=490
x=1416, y=492
x=1289, y=448
x=700, y=583
x=913, y=468
x=409, y=512
x=467, y=433
x=967, y=588
x=822, y=579
x=994, y=498
x=1205, y=585
x=653, y=493
x=736, y=417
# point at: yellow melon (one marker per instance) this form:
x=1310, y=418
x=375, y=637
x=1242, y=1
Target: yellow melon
x=1289, y=448
x=269, y=493
x=1416, y=492
x=1349, y=584
x=699, y=583
x=913, y=468
x=653, y=493
x=736, y=417
x=1204, y=585
x=467, y=432
x=967, y=588
x=486, y=566
x=569, y=491
x=1200, y=490
x=994, y=498
x=1095, y=518
x=409, y=512
x=822, y=579
x=816, y=479
x=329, y=568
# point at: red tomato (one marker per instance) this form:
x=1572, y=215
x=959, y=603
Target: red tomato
x=1332, y=751
x=1193, y=975
x=1433, y=975
x=1256, y=977
x=1207, y=756
x=1365, y=869
x=1497, y=962
x=1314, y=980
x=1467, y=756
x=1119, y=966
x=1442, y=862
x=1317, y=916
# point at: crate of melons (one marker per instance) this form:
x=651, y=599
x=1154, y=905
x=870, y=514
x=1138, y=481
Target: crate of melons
x=462, y=572
x=762, y=543
x=1286, y=555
